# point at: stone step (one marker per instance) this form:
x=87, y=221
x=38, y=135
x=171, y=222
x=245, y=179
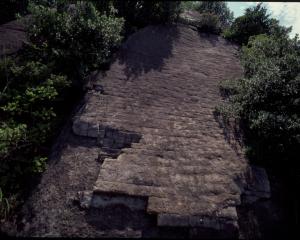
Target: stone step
x=204, y=205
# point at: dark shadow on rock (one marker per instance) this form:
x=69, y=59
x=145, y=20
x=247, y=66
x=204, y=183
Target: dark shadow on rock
x=113, y=141
x=120, y=217
x=147, y=49
x=213, y=39
x=232, y=131
x=115, y=211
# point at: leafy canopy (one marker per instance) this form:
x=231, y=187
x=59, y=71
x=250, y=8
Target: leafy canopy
x=267, y=99
x=220, y=9
x=75, y=38
x=255, y=21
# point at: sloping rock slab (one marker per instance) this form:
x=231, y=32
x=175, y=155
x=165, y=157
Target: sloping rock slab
x=158, y=101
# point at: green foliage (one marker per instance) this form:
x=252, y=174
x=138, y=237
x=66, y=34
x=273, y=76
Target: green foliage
x=140, y=13
x=65, y=42
x=76, y=38
x=39, y=164
x=190, y=5
x=209, y=23
x=267, y=99
x=220, y=9
x=255, y=21
x=29, y=97
x=11, y=135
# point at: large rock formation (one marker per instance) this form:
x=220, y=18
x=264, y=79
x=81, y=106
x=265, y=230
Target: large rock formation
x=145, y=156
x=159, y=141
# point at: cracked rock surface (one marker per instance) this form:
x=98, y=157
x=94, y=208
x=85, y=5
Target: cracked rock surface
x=164, y=87
x=145, y=153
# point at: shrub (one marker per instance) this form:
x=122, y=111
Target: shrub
x=139, y=13
x=267, y=99
x=209, y=23
x=76, y=38
x=65, y=42
x=255, y=21
x=220, y=9
x=30, y=94
x=189, y=5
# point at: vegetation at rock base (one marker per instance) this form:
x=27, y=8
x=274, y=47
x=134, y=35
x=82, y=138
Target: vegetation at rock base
x=74, y=39
x=214, y=16
x=265, y=103
x=267, y=98
x=65, y=43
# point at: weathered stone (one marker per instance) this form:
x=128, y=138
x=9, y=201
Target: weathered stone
x=176, y=155
x=172, y=220
x=93, y=130
x=80, y=127
x=84, y=198
x=12, y=36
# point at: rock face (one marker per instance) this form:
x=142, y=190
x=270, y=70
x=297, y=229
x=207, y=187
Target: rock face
x=147, y=156
x=12, y=36
x=157, y=133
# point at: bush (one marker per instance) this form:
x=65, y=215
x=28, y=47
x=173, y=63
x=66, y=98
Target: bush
x=209, y=23
x=267, y=99
x=189, y=5
x=140, y=13
x=220, y=9
x=255, y=21
x=76, y=38
x=29, y=96
x=65, y=42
